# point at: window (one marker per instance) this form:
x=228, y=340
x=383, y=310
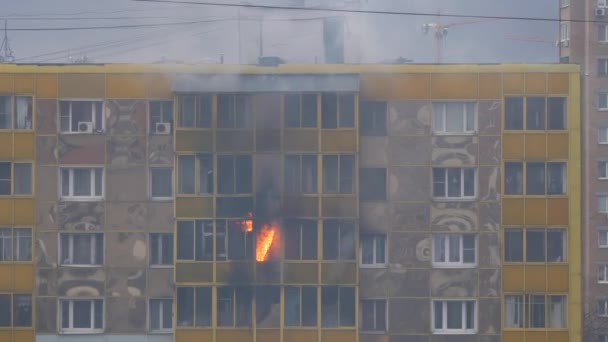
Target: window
x=232, y=241
x=15, y=244
x=602, y=307
x=338, y=240
x=189, y=167
x=535, y=311
x=372, y=118
x=337, y=110
x=372, y=184
x=602, y=170
x=339, y=174
x=602, y=203
x=161, y=249
x=233, y=111
x=564, y=3
x=602, y=66
x=454, y=117
x=564, y=32
x=602, y=135
x=234, y=174
x=553, y=184
x=195, y=240
x=556, y=113
x=300, y=306
x=15, y=112
x=337, y=306
x=514, y=113
x=450, y=316
x=81, y=315
x=161, y=315
x=453, y=183
x=545, y=113
x=267, y=306
x=193, y=306
x=20, y=314
x=81, y=116
x=83, y=249
x=546, y=245
x=602, y=3
x=602, y=100
x=234, y=306
x=535, y=113
x=300, y=110
x=300, y=240
x=161, y=182
x=195, y=111
x=602, y=33
x=15, y=178
x=161, y=116
x=514, y=178
x=81, y=183
x=514, y=245
x=602, y=238
x=373, y=315
x=373, y=250
x=458, y=250
x=602, y=273
x=301, y=174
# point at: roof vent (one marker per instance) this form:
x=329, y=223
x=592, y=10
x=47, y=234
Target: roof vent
x=270, y=61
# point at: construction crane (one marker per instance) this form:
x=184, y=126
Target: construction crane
x=6, y=53
x=440, y=32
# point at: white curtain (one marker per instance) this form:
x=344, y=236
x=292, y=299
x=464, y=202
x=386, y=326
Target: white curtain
x=24, y=116
x=513, y=306
x=5, y=244
x=557, y=312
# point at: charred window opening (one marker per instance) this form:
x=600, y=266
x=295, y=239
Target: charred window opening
x=161, y=115
x=234, y=306
x=234, y=174
x=232, y=241
x=338, y=110
x=339, y=174
x=372, y=118
x=337, y=306
x=300, y=306
x=373, y=315
x=535, y=113
x=514, y=178
x=233, y=111
x=78, y=116
x=301, y=174
x=193, y=306
x=372, y=184
x=268, y=306
x=514, y=113
x=195, y=111
x=300, y=239
x=189, y=166
x=300, y=110
x=161, y=249
x=338, y=240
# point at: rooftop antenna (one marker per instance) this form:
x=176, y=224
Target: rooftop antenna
x=5, y=48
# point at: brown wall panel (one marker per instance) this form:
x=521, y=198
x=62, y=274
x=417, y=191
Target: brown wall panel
x=192, y=335
x=513, y=83
x=6, y=211
x=24, y=335
x=339, y=206
x=46, y=117
x=513, y=336
x=24, y=277
x=339, y=273
x=299, y=335
x=91, y=86
x=513, y=211
x=7, y=83
x=536, y=278
x=6, y=277
x=194, y=207
x=234, y=335
x=513, y=146
x=328, y=335
x=190, y=141
x=6, y=145
x=158, y=86
x=558, y=336
x=536, y=211
x=301, y=140
x=189, y=272
x=454, y=86
x=559, y=83
x=302, y=206
x=125, y=86
x=558, y=275
x=395, y=86
x=536, y=83
x=234, y=140
x=25, y=84
x=344, y=140
x=24, y=211
x=227, y=271
x=46, y=86
x=268, y=335
x=490, y=86
x=536, y=146
x=300, y=273
x=513, y=278
x=535, y=336
x=558, y=211
x=24, y=146
x=557, y=144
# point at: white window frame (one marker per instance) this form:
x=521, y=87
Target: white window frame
x=17, y=245
x=602, y=238
x=6, y=240
x=602, y=302
x=603, y=337
x=71, y=196
x=564, y=3
x=602, y=132
x=441, y=115
x=159, y=251
x=446, y=247
x=151, y=131
x=564, y=32
x=604, y=61
x=375, y=263
x=375, y=308
x=93, y=116
x=162, y=329
x=602, y=273
x=602, y=164
x=92, y=255
x=444, y=311
x=72, y=330
x=604, y=33
x=604, y=198
x=602, y=3
x=602, y=93
x=160, y=198
x=446, y=184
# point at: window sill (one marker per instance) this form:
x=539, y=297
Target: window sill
x=81, y=332
x=454, y=266
x=463, y=199
x=455, y=133
x=372, y=266
x=161, y=266
x=80, y=266
x=161, y=199
x=81, y=199
x=161, y=332
x=83, y=133
x=603, y=247
x=454, y=332
x=605, y=282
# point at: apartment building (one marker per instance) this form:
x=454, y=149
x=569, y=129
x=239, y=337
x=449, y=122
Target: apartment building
x=290, y=203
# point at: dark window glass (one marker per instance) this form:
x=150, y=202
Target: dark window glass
x=347, y=111
x=203, y=306
x=22, y=310
x=203, y=117
x=331, y=240
x=267, y=305
x=329, y=110
x=205, y=180
x=186, y=174
x=186, y=111
x=185, y=306
x=535, y=245
x=535, y=113
x=556, y=113
x=292, y=110
x=514, y=245
x=330, y=174
x=329, y=306
x=225, y=174
x=243, y=174
x=5, y=178
x=309, y=240
x=372, y=118
x=185, y=240
x=514, y=178
x=514, y=113
x=225, y=111
x=347, y=174
x=225, y=306
x=556, y=245
x=372, y=184
x=347, y=306
x=535, y=178
x=309, y=110
x=5, y=310
x=309, y=306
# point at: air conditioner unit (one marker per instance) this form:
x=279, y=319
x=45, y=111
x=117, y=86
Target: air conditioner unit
x=600, y=12
x=85, y=127
x=163, y=128
x=564, y=43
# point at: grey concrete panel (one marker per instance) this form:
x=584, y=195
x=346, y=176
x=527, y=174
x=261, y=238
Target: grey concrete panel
x=454, y=282
x=46, y=282
x=152, y=216
x=125, y=315
x=46, y=315
x=372, y=337
x=126, y=150
x=410, y=150
x=489, y=183
x=373, y=151
x=489, y=116
x=455, y=150
x=393, y=281
x=454, y=338
x=489, y=282
x=404, y=320
x=47, y=178
x=80, y=216
x=409, y=117
x=489, y=216
x=374, y=217
x=489, y=150
x=409, y=184
x=126, y=282
x=79, y=149
x=46, y=150
x=160, y=282
x=46, y=249
x=489, y=316
x=160, y=150
x=410, y=249
x=266, y=109
x=126, y=249
x=489, y=338
x=46, y=116
x=81, y=281
x=126, y=183
x=489, y=249
x=409, y=338
x=46, y=215
x=409, y=216
x=454, y=216
x=126, y=117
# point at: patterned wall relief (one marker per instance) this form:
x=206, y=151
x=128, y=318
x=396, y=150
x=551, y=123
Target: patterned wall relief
x=489, y=317
x=46, y=249
x=410, y=150
x=489, y=249
x=47, y=179
x=373, y=217
x=393, y=281
x=128, y=249
x=160, y=282
x=79, y=216
x=46, y=282
x=409, y=117
x=489, y=216
x=160, y=150
x=81, y=149
x=126, y=117
x=126, y=183
x=409, y=184
x=489, y=116
x=410, y=249
x=126, y=282
x=489, y=183
x=454, y=282
x=47, y=151
x=490, y=150
x=455, y=150
x=46, y=117
x=454, y=216
x=81, y=281
x=404, y=320
x=126, y=150
x=409, y=216
x=489, y=282
x=126, y=315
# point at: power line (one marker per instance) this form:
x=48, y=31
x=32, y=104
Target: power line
x=110, y=27
x=356, y=11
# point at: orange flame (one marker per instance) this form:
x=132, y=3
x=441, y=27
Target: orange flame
x=265, y=238
x=247, y=225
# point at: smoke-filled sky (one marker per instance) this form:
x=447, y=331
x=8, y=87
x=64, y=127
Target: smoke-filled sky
x=377, y=37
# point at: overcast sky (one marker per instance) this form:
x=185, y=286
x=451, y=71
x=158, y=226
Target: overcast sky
x=379, y=37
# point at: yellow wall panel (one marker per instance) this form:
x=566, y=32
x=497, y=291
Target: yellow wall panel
x=513, y=211
x=24, y=146
x=46, y=85
x=6, y=277
x=558, y=336
x=557, y=276
x=301, y=140
x=339, y=140
x=190, y=141
x=512, y=336
x=192, y=335
x=300, y=273
x=557, y=145
x=193, y=207
x=299, y=335
x=234, y=335
x=339, y=273
x=92, y=86
x=193, y=272
x=25, y=84
x=557, y=211
x=268, y=335
x=7, y=83
x=225, y=270
x=454, y=86
x=536, y=211
x=6, y=336
x=536, y=336
x=559, y=83
x=24, y=211
x=536, y=278
x=536, y=83
x=24, y=335
x=24, y=277
x=6, y=145
x=233, y=140
x=490, y=86
x=536, y=146
x=125, y=86
x=513, y=83
x=339, y=206
x=328, y=335
x=395, y=86
x=158, y=86
x=513, y=146
x=6, y=211
x=513, y=278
